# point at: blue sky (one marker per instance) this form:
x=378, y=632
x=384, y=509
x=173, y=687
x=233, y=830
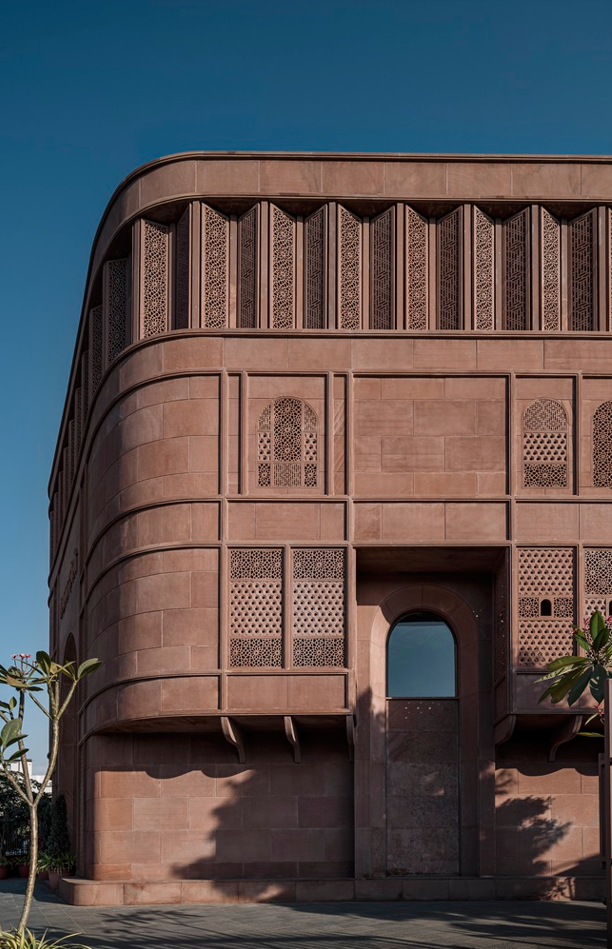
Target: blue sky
x=92, y=89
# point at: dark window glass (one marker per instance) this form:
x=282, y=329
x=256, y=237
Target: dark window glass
x=421, y=658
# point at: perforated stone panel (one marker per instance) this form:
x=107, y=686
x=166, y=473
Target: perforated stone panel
x=215, y=268
x=116, y=307
x=381, y=287
x=551, y=271
x=287, y=443
x=582, y=274
x=183, y=271
x=349, y=276
x=484, y=270
x=282, y=266
x=602, y=446
x=416, y=270
x=516, y=271
x=314, y=266
x=545, y=574
x=247, y=269
x=449, y=271
x=256, y=607
x=597, y=580
x=154, y=278
x=318, y=607
x=95, y=351
x=545, y=445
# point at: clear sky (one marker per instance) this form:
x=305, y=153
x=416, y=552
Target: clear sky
x=90, y=89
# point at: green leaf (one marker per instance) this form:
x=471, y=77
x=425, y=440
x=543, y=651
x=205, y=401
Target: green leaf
x=599, y=631
x=579, y=686
x=17, y=755
x=596, y=685
x=591, y=734
x=43, y=660
x=559, y=689
x=582, y=642
x=90, y=665
x=566, y=661
x=10, y=732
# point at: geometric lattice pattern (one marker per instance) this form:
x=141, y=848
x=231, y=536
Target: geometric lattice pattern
x=349, y=276
x=318, y=606
x=551, y=271
x=545, y=445
x=546, y=603
x=283, y=268
x=182, y=271
x=116, y=307
x=215, y=269
x=516, y=271
x=597, y=580
x=484, y=271
x=95, y=351
x=314, y=271
x=256, y=607
x=154, y=279
x=381, y=288
x=582, y=273
x=449, y=271
x=247, y=269
x=416, y=270
x=602, y=446
x=287, y=444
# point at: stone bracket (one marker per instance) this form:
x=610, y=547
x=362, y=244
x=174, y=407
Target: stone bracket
x=233, y=734
x=292, y=738
x=567, y=730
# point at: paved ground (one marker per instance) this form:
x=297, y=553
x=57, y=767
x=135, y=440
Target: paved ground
x=499, y=925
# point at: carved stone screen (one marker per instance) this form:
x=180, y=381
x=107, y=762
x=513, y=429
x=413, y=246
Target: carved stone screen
x=449, y=271
x=582, y=272
x=484, y=271
x=154, y=278
x=416, y=270
x=256, y=607
x=287, y=445
x=317, y=607
x=546, y=604
x=116, y=307
x=282, y=267
x=551, y=271
x=314, y=271
x=602, y=446
x=381, y=285
x=545, y=445
x=349, y=270
x=246, y=316
x=215, y=268
x=95, y=351
x=182, y=275
x=516, y=272
x=597, y=581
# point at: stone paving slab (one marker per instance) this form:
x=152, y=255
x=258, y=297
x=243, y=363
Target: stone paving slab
x=456, y=925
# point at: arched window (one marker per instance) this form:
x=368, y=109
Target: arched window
x=545, y=445
x=421, y=658
x=287, y=445
x=602, y=446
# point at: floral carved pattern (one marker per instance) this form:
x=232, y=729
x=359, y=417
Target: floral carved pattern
x=484, y=271
x=155, y=279
x=116, y=307
x=350, y=270
x=216, y=255
x=95, y=351
x=382, y=271
x=582, y=272
x=546, y=579
x=247, y=270
x=551, y=271
x=283, y=269
x=183, y=271
x=287, y=445
x=545, y=445
x=314, y=280
x=602, y=446
x=516, y=271
x=416, y=270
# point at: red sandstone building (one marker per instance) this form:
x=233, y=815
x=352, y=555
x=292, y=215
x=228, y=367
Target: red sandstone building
x=332, y=484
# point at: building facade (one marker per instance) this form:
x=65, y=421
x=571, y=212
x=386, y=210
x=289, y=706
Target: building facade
x=332, y=484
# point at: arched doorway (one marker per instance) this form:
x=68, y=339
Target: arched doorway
x=423, y=818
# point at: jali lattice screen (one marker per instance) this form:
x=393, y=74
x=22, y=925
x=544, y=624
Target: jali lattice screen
x=317, y=608
x=546, y=603
x=256, y=607
x=287, y=444
x=602, y=446
x=597, y=580
x=545, y=445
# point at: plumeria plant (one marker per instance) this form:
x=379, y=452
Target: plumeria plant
x=51, y=687
x=571, y=676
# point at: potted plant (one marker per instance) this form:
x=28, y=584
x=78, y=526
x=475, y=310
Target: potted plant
x=61, y=865
x=42, y=866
